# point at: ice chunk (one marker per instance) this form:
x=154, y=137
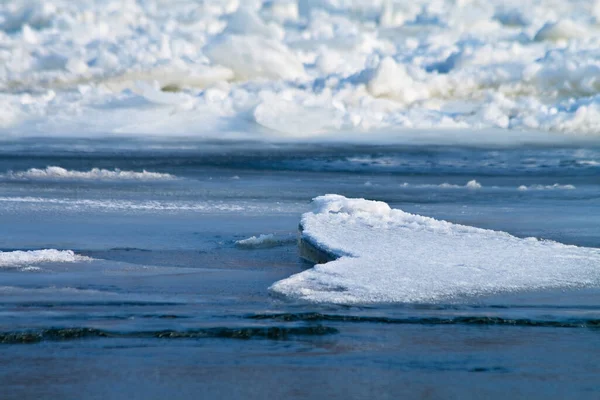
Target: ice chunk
x=556, y=186
x=36, y=14
x=389, y=16
x=24, y=259
x=281, y=11
x=473, y=185
x=255, y=57
x=561, y=30
x=247, y=22
x=59, y=173
x=393, y=80
x=387, y=255
x=263, y=242
x=511, y=17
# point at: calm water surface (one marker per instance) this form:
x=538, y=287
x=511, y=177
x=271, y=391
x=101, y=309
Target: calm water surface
x=170, y=306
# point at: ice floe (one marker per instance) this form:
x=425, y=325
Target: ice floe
x=374, y=253
x=28, y=259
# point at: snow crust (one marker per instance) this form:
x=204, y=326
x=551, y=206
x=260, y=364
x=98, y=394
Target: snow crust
x=387, y=255
x=366, y=70
x=58, y=173
x=24, y=259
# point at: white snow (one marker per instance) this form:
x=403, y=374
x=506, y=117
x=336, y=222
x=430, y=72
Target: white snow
x=591, y=163
x=78, y=204
x=58, y=173
x=472, y=184
x=263, y=241
x=255, y=57
x=25, y=259
x=555, y=186
x=387, y=255
x=367, y=70
x=561, y=30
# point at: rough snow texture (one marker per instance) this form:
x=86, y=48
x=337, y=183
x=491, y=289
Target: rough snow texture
x=364, y=70
x=387, y=255
x=23, y=259
x=58, y=173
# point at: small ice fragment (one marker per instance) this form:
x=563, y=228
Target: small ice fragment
x=263, y=242
x=473, y=185
x=25, y=259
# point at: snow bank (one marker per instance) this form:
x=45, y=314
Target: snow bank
x=21, y=259
x=58, y=173
x=387, y=255
x=370, y=71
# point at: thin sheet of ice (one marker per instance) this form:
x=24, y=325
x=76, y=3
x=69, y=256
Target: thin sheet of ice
x=59, y=173
x=21, y=259
x=368, y=70
x=387, y=255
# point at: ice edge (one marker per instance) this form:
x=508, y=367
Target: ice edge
x=311, y=251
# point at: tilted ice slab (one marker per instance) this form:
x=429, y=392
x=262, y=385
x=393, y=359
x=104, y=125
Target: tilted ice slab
x=16, y=259
x=55, y=173
x=373, y=253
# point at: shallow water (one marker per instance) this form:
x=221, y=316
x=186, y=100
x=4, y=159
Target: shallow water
x=170, y=306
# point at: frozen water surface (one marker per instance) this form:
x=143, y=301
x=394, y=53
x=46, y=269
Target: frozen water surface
x=388, y=255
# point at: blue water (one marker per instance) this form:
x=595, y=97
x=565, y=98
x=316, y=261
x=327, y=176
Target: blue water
x=170, y=306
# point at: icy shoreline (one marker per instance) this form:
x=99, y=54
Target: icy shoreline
x=371, y=71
